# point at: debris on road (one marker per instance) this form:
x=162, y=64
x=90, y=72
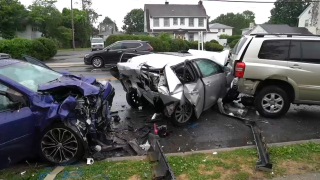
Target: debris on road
x=90, y=161
x=264, y=161
x=54, y=173
x=215, y=153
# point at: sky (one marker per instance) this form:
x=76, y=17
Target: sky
x=117, y=9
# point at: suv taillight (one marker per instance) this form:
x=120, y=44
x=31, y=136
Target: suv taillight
x=149, y=47
x=239, y=69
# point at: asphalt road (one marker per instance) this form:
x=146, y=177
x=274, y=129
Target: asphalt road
x=68, y=56
x=214, y=130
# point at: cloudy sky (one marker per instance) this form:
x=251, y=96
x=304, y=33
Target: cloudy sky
x=117, y=9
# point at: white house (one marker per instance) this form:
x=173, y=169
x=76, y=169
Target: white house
x=29, y=33
x=183, y=21
x=220, y=29
x=310, y=18
x=105, y=30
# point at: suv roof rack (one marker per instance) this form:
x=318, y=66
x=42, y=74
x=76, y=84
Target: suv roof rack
x=285, y=34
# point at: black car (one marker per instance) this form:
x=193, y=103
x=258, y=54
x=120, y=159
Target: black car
x=112, y=53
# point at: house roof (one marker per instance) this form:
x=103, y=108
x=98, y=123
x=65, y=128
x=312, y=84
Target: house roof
x=284, y=28
x=176, y=10
x=219, y=26
x=307, y=9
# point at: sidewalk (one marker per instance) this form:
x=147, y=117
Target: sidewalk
x=63, y=65
x=311, y=176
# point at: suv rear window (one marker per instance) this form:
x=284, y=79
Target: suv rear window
x=239, y=45
x=274, y=50
x=131, y=45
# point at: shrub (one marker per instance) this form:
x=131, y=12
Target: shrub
x=50, y=45
x=214, y=41
x=178, y=45
x=18, y=46
x=233, y=43
x=193, y=45
x=209, y=46
x=232, y=38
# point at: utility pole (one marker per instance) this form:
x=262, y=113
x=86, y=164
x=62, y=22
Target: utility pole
x=72, y=25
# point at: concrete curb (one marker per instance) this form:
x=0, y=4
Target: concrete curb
x=132, y=158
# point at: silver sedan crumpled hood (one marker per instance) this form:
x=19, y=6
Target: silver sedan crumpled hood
x=219, y=57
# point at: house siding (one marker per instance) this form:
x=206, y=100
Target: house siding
x=227, y=31
x=185, y=26
x=28, y=33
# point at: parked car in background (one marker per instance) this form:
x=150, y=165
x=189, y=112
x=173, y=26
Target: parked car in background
x=57, y=116
x=277, y=70
x=97, y=44
x=180, y=85
x=112, y=53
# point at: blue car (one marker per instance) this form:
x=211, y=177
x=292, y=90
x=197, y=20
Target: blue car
x=55, y=115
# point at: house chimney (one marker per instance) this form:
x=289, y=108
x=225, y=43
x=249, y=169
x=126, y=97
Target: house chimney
x=166, y=2
x=200, y=2
x=251, y=25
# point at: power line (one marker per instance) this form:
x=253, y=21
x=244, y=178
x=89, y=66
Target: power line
x=264, y=2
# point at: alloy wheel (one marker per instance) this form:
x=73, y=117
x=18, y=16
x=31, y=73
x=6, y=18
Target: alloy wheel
x=97, y=62
x=183, y=113
x=272, y=103
x=59, y=145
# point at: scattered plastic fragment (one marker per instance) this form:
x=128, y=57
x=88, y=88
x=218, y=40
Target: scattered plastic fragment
x=140, y=108
x=193, y=125
x=178, y=149
x=145, y=146
x=22, y=173
x=90, y=161
x=215, y=153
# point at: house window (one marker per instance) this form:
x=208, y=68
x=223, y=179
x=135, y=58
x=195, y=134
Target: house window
x=155, y=22
x=306, y=23
x=166, y=22
x=181, y=21
x=201, y=24
x=223, y=30
x=191, y=37
x=219, y=30
x=175, y=21
x=191, y=22
x=34, y=28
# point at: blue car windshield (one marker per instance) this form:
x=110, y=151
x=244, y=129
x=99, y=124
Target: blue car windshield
x=29, y=75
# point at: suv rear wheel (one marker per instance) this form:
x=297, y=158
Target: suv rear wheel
x=272, y=102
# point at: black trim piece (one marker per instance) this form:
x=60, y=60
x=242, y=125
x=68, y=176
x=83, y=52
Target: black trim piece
x=162, y=169
x=244, y=52
x=264, y=160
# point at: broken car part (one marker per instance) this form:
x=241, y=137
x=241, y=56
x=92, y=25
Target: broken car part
x=178, y=85
x=264, y=161
x=162, y=169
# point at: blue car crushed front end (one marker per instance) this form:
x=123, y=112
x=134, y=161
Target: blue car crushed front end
x=80, y=103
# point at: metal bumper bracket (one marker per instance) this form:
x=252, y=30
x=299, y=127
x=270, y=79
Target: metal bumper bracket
x=264, y=161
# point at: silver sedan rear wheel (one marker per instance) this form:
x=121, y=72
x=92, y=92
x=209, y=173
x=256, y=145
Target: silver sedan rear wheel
x=182, y=114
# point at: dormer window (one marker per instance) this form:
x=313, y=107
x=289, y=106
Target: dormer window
x=191, y=22
x=155, y=22
x=201, y=24
x=166, y=22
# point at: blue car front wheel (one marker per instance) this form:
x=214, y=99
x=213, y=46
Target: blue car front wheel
x=60, y=145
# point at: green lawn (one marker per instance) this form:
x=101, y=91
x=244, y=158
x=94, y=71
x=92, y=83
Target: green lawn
x=76, y=49
x=233, y=165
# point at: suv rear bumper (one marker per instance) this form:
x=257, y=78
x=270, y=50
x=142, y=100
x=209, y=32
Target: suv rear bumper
x=246, y=86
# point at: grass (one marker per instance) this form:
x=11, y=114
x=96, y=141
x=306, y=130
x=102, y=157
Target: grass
x=233, y=165
x=77, y=49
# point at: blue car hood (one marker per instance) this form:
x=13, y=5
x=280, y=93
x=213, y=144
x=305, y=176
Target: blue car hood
x=83, y=84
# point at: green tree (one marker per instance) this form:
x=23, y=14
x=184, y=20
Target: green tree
x=134, y=21
x=12, y=18
x=287, y=13
x=82, y=27
x=108, y=20
x=238, y=21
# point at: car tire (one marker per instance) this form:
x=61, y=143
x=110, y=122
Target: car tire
x=63, y=149
x=272, y=102
x=134, y=100
x=182, y=115
x=97, y=62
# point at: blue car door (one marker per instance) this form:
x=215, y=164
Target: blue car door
x=17, y=127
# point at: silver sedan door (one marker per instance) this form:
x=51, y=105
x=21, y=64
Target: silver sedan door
x=214, y=80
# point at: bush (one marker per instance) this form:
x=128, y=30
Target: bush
x=50, y=45
x=214, y=41
x=193, y=45
x=178, y=45
x=209, y=46
x=18, y=46
x=232, y=38
x=233, y=43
